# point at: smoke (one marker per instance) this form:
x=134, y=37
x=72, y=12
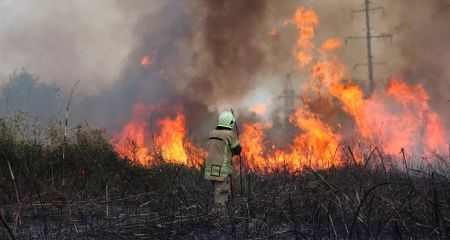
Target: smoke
x=425, y=52
x=208, y=54
x=205, y=55
x=230, y=52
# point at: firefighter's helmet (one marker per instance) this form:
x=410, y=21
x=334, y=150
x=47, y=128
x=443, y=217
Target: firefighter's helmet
x=226, y=119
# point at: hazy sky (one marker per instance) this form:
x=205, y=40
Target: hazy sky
x=63, y=41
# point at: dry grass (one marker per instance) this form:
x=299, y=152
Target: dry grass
x=106, y=197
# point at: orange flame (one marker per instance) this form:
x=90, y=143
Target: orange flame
x=146, y=61
x=131, y=140
x=170, y=142
x=314, y=148
x=260, y=108
x=305, y=21
x=253, y=142
x=173, y=142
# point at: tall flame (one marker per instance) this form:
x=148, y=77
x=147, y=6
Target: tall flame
x=305, y=21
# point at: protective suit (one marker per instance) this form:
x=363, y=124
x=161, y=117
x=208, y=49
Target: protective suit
x=222, y=145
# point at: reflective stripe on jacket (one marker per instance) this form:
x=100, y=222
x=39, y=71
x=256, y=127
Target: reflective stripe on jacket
x=218, y=164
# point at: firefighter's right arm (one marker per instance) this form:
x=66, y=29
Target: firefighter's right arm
x=237, y=149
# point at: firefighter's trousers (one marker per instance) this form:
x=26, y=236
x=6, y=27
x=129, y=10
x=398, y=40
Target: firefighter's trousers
x=221, y=191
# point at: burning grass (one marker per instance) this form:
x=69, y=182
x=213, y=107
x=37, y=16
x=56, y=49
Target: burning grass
x=94, y=193
x=333, y=110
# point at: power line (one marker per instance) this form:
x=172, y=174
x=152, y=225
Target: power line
x=368, y=37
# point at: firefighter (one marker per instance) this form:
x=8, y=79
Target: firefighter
x=223, y=144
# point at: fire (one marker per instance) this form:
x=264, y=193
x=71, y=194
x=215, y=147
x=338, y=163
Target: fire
x=272, y=32
x=314, y=148
x=305, y=21
x=259, y=109
x=316, y=144
x=402, y=118
x=394, y=118
x=253, y=142
x=131, y=141
x=397, y=118
x=146, y=61
x=171, y=137
x=168, y=143
x=173, y=143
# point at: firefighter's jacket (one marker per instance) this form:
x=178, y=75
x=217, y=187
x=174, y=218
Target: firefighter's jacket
x=222, y=145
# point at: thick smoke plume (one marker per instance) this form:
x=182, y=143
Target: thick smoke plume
x=232, y=52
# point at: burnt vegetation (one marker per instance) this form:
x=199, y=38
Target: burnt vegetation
x=92, y=193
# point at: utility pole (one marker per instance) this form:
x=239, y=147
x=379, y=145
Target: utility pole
x=288, y=97
x=368, y=37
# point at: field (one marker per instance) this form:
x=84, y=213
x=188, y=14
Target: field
x=78, y=187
